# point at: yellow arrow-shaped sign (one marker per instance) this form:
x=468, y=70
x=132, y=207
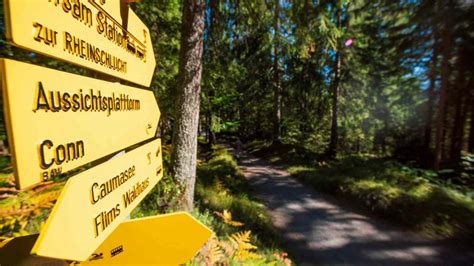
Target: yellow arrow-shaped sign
x=170, y=239
x=94, y=202
x=58, y=121
x=105, y=36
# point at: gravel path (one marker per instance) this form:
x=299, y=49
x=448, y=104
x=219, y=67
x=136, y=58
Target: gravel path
x=320, y=230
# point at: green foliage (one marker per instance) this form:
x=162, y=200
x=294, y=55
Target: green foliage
x=163, y=18
x=224, y=204
x=235, y=248
x=165, y=196
x=25, y=212
x=220, y=186
x=380, y=99
x=411, y=196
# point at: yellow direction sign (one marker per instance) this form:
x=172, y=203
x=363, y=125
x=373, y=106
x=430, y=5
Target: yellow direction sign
x=105, y=36
x=94, y=202
x=58, y=121
x=170, y=239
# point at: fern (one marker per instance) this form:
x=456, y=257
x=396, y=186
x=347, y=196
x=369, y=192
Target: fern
x=242, y=246
x=24, y=213
x=226, y=216
x=210, y=253
x=214, y=252
x=237, y=248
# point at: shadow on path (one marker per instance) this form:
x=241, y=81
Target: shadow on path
x=318, y=230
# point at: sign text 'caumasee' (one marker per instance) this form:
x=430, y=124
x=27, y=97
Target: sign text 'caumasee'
x=93, y=203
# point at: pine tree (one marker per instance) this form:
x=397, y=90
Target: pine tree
x=183, y=156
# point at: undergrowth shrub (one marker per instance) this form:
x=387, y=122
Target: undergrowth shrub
x=222, y=193
x=436, y=205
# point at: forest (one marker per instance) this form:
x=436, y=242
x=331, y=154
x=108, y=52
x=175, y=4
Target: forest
x=392, y=79
x=367, y=101
x=388, y=78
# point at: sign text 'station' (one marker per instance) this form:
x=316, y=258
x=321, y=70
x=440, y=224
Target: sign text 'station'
x=58, y=121
x=101, y=35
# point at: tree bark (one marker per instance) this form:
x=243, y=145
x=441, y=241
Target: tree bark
x=458, y=129
x=332, y=150
x=470, y=108
x=431, y=98
x=447, y=42
x=184, y=152
x=470, y=147
x=462, y=98
x=276, y=76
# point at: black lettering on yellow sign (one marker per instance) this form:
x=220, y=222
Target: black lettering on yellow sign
x=111, y=29
x=45, y=35
x=56, y=101
x=51, y=173
x=100, y=191
x=78, y=11
x=105, y=218
x=87, y=51
x=134, y=192
x=50, y=154
x=107, y=26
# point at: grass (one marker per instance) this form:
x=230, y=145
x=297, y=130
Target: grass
x=243, y=232
x=220, y=187
x=412, y=197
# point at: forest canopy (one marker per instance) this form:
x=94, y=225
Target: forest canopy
x=391, y=78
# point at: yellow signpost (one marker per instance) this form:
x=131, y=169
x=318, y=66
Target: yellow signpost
x=170, y=239
x=105, y=36
x=94, y=202
x=58, y=121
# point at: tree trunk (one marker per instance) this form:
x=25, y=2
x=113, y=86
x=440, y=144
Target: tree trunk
x=276, y=76
x=470, y=107
x=447, y=41
x=184, y=152
x=214, y=31
x=431, y=99
x=462, y=98
x=332, y=151
x=458, y=129
x=470, y=147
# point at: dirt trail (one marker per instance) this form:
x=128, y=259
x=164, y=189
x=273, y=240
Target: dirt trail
x=320, y=230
